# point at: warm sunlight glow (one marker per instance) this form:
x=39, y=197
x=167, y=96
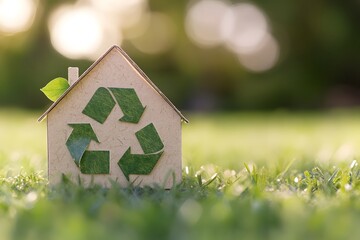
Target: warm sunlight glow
x=16, y=15
x=159, y=35
x=116, y=5
x=264, y=58
x=113, y=36
x=244, y=28
x=76, y=32
x=127, y=12
x=203, y=22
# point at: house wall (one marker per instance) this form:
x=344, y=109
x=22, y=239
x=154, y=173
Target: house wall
x=114, y=71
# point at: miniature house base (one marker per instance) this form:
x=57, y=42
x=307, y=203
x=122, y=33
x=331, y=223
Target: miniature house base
x=117, y=137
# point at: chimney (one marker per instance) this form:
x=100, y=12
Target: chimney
x=73, y=75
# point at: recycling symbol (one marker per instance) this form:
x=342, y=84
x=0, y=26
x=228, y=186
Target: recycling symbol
x=99, y=108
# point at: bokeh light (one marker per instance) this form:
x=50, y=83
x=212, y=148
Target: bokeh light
x=244, y=28
x=138, y=29
x=116, y=6
x=125, y=12
x=87, y=28
x=111, y=35
x=16, y=15
x=76, y=32
x=204, y=22
x=159, y=35
x=264, y=57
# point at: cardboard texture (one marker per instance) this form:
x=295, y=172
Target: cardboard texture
x=86, y=138
x=73, y=75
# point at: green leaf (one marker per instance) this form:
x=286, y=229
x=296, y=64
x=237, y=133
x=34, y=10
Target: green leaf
x=55, y=88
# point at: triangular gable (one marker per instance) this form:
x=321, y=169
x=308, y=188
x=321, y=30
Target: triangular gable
x=133, y=64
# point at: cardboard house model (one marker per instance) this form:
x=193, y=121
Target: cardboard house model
x=113, y=123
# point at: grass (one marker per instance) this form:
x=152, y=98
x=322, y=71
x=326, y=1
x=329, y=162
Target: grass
x=246, y=176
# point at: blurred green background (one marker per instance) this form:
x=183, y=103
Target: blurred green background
x=204, y=55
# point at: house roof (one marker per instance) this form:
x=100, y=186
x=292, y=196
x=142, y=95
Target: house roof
x=133, y=64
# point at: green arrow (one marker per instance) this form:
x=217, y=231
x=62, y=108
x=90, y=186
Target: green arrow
x=152, y=147
x=100, y=105
x=129, y=103
x=79, y=140
x=138, y=163
x=149, y=139
x=95, y=162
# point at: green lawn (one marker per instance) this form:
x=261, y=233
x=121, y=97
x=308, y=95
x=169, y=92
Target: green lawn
x=246, y=176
